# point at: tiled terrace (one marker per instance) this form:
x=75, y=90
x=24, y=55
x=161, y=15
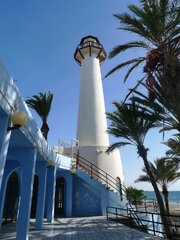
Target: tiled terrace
x=91, y=228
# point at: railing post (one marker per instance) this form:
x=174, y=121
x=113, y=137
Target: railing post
x=91, y=170
x=106, y=181
x=77, y=162
x=107, y=212
x=127, y=209
x=120, y=191
x=116, y=213
x=145, y=205
x=131, y=219
x=153, y=224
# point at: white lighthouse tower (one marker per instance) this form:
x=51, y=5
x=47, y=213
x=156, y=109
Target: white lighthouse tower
x=92, y=125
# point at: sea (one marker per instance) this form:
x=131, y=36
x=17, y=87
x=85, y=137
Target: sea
x=174, y=196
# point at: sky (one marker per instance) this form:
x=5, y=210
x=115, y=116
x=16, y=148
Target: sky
x=38, y=41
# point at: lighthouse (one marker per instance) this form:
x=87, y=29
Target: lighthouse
x=92, y=125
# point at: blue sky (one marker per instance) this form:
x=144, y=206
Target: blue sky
x=38, y=40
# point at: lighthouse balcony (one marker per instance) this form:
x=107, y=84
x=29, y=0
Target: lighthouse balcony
x=90, y=46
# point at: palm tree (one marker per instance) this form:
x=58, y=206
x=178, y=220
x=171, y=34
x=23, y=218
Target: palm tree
x=130, y=124
x=135, y=195
x=41, y=103
x=156, y=25
x=165, y=173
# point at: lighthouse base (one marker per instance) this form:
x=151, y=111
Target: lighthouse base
x=109, y=163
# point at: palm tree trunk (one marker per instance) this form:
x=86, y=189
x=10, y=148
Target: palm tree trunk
x=142, y=151
x=165, y=194
x=45, y=130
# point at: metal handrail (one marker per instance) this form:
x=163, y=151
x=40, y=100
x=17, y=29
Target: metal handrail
x=133, y=215
x=100, y=174
x=120, y=212
x=90, y=43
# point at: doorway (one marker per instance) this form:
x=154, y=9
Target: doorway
x=11, y=199
x=34, y=196
x=59, y=198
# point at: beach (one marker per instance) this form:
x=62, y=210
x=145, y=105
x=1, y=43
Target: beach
x=174, y=208
x=175, y=212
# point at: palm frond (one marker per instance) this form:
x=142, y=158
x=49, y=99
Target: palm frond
x=117, y=145
x=121, y=48
x=131, y=69
x=41, y=103
x=124, y=64
x=131, y=122
x=132, y=24
x=142, y=178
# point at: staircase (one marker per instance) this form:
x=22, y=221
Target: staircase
x=112, y=192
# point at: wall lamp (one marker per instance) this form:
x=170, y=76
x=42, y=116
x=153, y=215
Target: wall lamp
x=73, y=169
x=18, y=119
x=50, y=163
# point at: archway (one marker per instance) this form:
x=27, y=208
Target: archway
x=34, y=196
x=59, y=198
x=11, y=199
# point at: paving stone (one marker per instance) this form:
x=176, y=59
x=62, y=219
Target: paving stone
x=89, y=228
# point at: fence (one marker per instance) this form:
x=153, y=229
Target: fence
x=151, y=225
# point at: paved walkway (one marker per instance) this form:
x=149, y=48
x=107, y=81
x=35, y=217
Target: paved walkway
x=91, y=228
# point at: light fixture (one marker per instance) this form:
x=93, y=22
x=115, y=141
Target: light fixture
x=18, y=119
x=50, y=163
x=73, y=168
x=99, y=151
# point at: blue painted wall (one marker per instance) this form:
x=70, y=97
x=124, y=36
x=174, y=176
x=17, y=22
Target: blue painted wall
x=86, y=199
